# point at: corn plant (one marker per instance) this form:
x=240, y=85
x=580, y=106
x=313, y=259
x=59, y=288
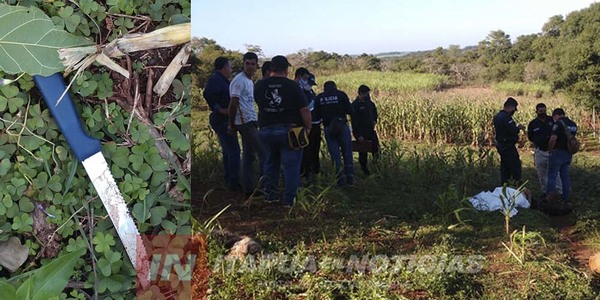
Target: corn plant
x=509, y=202
x=523, y=242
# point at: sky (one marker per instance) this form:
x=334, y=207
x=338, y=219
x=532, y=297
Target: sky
x=363, y=26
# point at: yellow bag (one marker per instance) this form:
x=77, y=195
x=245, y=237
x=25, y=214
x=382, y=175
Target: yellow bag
x=298, y=138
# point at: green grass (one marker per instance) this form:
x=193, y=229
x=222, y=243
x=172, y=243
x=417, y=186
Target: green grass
x=414, y=205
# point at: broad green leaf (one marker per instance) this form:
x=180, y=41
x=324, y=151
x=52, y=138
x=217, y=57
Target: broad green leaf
x=51, y=279
x=7, y=291
x=29, y=41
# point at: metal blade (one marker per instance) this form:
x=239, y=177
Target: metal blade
x=111, y=197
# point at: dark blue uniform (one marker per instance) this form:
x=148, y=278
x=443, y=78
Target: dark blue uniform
x=332, y=106
x=507, y=135
x=364, y=117
x=216, y=93
x=310, y=158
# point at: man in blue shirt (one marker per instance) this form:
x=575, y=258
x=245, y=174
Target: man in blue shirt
x=507, y=136
x=560, y=157
x=216, y=94
x=332, y=106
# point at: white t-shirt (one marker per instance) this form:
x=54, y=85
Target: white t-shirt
x=242, y=87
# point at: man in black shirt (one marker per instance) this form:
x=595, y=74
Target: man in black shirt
x=332, y=106
x=216, y=93
x=560, y=157
x=364, y=119
x=281, y=106
x=538, y=132
x=507, y=136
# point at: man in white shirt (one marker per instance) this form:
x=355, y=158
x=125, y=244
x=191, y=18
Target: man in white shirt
x=243, y=118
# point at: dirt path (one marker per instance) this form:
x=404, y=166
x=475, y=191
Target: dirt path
x=565, y=225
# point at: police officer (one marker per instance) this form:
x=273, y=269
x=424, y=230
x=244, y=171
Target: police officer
x=216, y=93
x=364, y=119
x=538, y=132
x=332, y=106
x=507, y=136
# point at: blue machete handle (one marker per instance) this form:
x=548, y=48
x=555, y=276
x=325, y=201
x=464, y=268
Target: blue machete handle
x=66, y=116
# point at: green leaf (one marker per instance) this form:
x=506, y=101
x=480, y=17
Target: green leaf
x=7, y=291
x=25, y=205
x=140, y=213
x=145, y=171
x=105, y=267
x=4, y=166
x=178, y=140
x=29, y=41
x=157, y=214
x=103, y=241
x=49, y=280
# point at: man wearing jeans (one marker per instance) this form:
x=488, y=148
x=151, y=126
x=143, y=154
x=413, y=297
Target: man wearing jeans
x=216, y=93
x=242, y=118
x=560, y=157
x=281, y=106
x=332, y=106
x=538, y=132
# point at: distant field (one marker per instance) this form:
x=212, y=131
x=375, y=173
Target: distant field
x=386, y=82
x=523, y=89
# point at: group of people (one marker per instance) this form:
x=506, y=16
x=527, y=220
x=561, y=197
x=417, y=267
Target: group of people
x=549, y=135
x=284, y=104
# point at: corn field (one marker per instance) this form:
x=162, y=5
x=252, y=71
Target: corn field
x=412, y=107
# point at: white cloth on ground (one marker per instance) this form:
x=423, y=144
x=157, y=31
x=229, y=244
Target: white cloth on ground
x=490, y=201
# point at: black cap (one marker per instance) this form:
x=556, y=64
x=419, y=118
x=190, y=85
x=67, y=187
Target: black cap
x=511, y=102
x=558, y=112
x=301, y=72
x=279, y=62
x=363, y=89
x=311, y=79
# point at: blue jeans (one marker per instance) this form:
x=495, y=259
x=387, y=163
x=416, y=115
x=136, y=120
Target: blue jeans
x=341, y=145
x=252, y=149
x=559, y=163
x=230, y=149
x=279, y=153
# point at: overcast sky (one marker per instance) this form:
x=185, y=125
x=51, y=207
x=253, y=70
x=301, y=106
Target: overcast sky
x=360, y=26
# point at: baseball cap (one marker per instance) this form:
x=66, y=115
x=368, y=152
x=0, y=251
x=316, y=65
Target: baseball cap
x=363, y=89
x=279, y=62
x=301, y=71
x=311, y=79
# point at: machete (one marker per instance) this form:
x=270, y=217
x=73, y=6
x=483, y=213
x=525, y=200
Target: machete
x=88, y=151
